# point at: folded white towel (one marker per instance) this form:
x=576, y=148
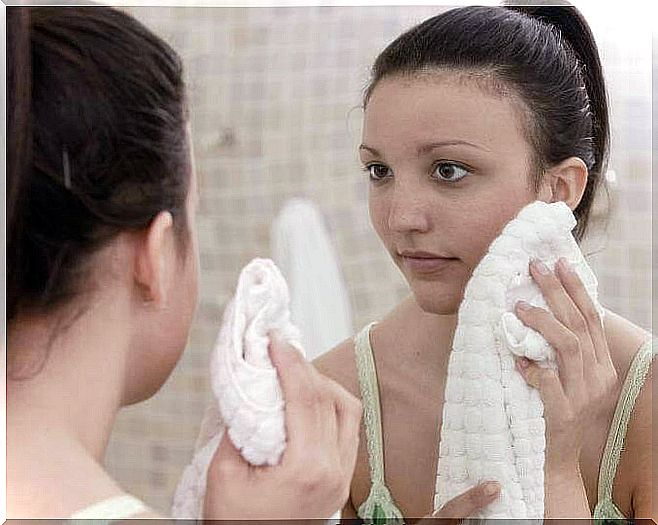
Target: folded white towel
x=248, y=398
x=493, y=426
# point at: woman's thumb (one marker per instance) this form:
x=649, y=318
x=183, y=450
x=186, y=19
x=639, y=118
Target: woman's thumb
x=470, y=501
x=226, y=460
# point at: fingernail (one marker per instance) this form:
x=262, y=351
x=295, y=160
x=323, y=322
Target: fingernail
x=541, y=267
x=522, y=362
x=522, y=305
x=564, y=265
x=275, y=340
x=491, y=488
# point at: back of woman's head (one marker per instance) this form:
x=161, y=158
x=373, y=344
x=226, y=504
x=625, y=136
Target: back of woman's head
x=546, y=55
x=96, y=143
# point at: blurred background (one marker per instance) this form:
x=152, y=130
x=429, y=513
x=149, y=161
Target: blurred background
x=275, y=95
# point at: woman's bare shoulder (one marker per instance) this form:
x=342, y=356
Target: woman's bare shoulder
x=624, y=339
x=641, y=448
x=61, y=499
x=339, y=364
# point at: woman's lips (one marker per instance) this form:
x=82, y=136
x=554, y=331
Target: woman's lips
x=426, y=263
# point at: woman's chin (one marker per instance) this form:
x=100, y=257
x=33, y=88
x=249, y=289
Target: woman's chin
x=438, y=301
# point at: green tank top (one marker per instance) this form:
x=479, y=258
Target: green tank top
x=380, y=508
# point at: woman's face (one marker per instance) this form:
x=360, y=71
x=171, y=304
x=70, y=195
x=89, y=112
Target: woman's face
x=449, y=167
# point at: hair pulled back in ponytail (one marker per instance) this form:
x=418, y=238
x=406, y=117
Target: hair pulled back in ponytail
x=573, y=28
x=97, y=143
x=546, y=54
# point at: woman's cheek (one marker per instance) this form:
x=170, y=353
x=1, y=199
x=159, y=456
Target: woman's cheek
x=498, y=217
x=481, y=231
x=377, y=211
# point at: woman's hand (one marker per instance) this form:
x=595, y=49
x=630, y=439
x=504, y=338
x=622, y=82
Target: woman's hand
x=586, y=385
x=313, y=478
x=469, y=502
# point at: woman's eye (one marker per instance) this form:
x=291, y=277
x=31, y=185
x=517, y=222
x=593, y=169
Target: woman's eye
x=450, y=172
x=378, y=171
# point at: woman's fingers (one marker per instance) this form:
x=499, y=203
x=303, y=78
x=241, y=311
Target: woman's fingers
x=320, y=414
x=556, y=296
x=564, y=308
x=227, y=463
x=546, y=382
x=326, y=442
x=566, y=344
x=348, y=412
x=576, y=290
x=470, y=502
x=322, y=420
x=301, y=394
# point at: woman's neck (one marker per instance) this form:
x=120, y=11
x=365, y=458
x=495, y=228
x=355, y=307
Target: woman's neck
x=65, y=383
x=429, y=335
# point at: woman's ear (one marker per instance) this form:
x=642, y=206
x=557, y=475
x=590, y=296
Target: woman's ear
x=566, y=182
x=155, y=259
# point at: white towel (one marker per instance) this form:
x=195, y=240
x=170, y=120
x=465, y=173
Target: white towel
x=493, y=426
x=248, y=398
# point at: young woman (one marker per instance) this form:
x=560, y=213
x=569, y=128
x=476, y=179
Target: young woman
x=102, y=279
x=468, y=117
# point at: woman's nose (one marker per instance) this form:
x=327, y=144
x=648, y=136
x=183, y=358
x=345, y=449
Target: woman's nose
x=409, y=209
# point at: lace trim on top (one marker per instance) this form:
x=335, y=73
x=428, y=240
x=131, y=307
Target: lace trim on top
x=379, y=507
x=605, y=506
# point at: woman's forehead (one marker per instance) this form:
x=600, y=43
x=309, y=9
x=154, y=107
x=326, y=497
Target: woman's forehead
x=428, y=109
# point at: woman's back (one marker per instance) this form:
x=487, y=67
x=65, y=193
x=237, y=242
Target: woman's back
x=46, y=483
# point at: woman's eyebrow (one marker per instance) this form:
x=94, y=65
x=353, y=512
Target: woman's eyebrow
x=370, y=150
x=427, y=148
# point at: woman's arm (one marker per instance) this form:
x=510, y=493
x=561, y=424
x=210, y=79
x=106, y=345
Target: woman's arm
x=565, y=495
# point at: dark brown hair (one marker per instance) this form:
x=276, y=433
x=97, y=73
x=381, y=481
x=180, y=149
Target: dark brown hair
x=96, y=143
x=547, y=54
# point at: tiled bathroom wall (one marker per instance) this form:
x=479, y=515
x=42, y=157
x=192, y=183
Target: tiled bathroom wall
x=275, y=96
